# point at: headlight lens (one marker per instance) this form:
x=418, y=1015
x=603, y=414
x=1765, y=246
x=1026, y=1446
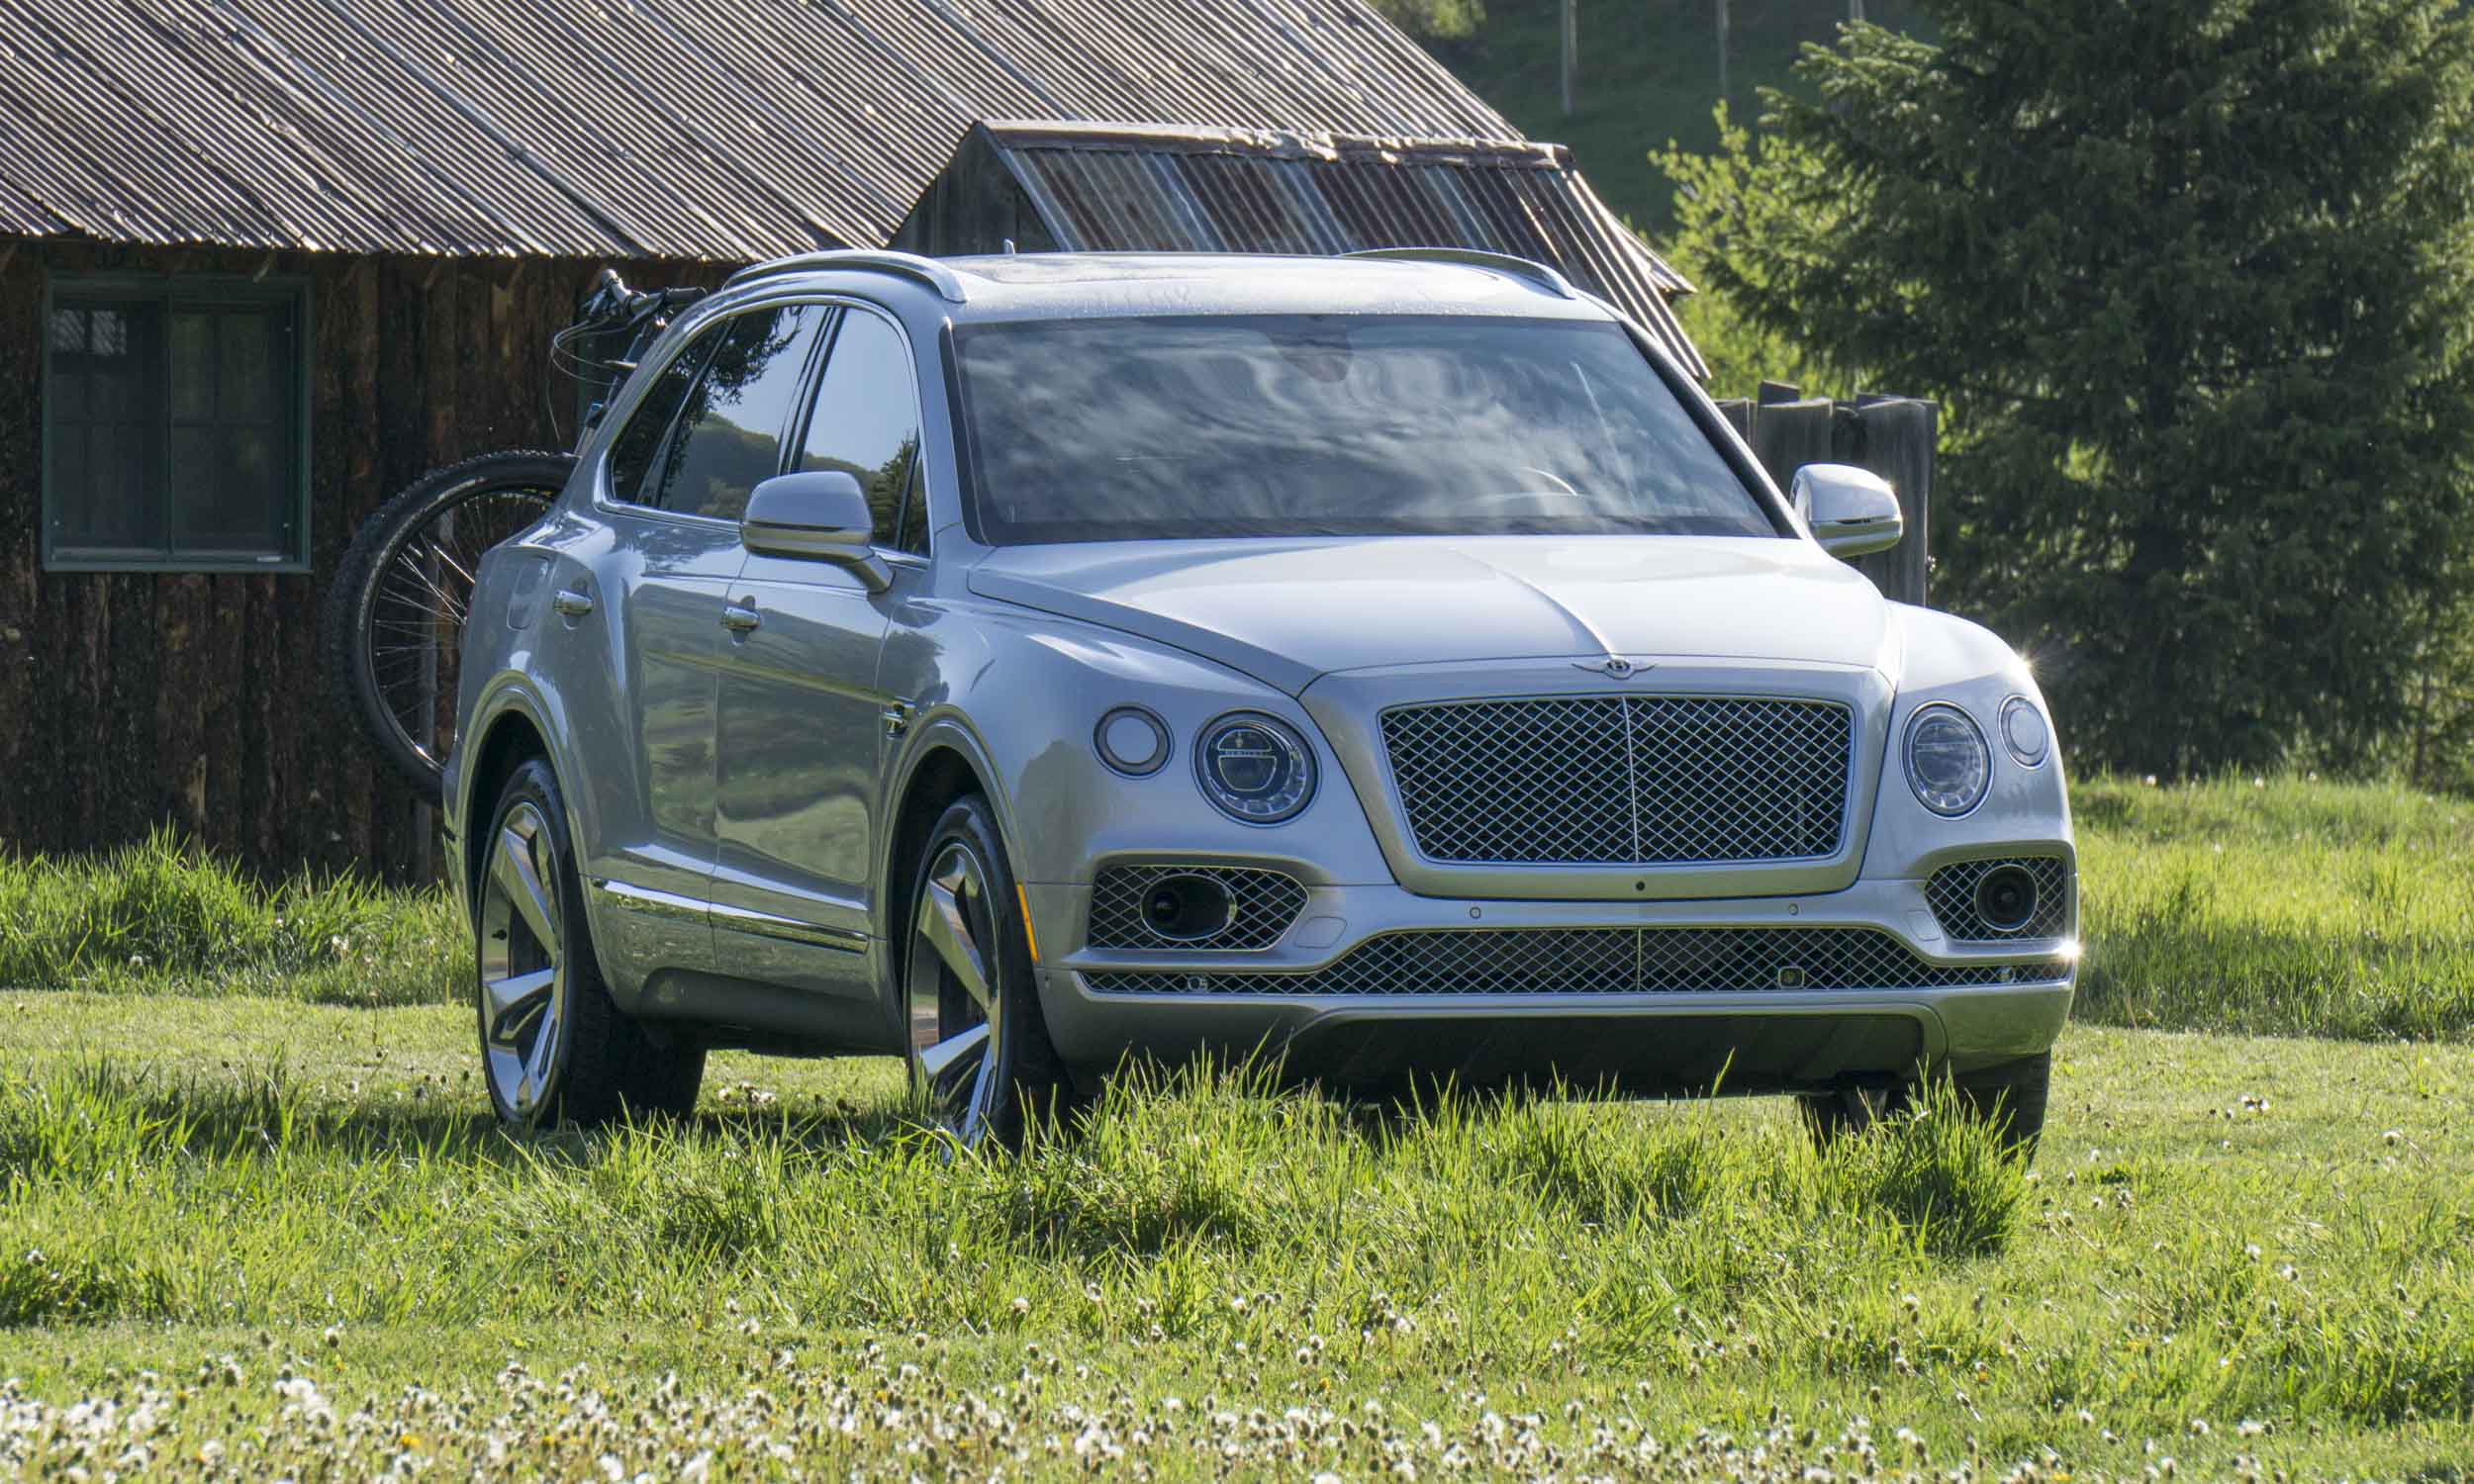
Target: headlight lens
x=1948, y=764
x=1254, y=768
x=2025, y=733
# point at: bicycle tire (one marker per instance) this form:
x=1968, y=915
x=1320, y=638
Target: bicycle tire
x=370, y=599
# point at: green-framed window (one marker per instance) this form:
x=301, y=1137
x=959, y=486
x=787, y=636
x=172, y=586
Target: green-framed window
x=175, y=422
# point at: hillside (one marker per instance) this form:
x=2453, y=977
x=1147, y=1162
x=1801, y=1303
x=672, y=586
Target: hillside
x=1649, y=73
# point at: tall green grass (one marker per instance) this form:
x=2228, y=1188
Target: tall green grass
x=2285, y=905
x=157, y=916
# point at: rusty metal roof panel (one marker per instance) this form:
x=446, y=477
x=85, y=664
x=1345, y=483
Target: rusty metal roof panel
x=738, y=130
x=1114, y=188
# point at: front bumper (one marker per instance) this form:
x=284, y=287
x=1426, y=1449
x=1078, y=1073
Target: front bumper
x=2011, y=1002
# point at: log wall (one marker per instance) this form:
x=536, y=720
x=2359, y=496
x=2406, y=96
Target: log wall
x=130, y=700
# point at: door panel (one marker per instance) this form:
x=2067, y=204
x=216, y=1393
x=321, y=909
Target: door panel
x=801, y=731
x=799, y=752
x=677, y=474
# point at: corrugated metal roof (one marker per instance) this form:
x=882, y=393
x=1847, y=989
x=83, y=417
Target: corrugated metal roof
x=725, y=130
x=738, y=130
x=1222, y=190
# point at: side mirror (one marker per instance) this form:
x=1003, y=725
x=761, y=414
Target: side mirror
x=821, y=515
x=1853, y=511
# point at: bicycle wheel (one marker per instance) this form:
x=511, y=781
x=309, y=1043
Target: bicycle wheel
x=394, y=617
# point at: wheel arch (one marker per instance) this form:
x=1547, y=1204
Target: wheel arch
x=509, y=738
x=945, y=763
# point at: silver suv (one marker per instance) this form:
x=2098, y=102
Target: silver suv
x=1391, y=665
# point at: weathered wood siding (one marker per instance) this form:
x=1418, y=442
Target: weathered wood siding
x=129, y=701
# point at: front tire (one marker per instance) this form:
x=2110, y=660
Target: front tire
x=554, y=1045
x=2012, y=1097
x=973, y=1033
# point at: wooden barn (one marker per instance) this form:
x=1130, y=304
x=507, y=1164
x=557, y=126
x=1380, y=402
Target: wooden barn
x=264, y=261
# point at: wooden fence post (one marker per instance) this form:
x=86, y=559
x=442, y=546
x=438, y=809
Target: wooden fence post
x=1894, y=437
x=1789, y=430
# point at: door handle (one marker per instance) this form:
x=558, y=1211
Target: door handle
x=573, y=603
x=740, y=619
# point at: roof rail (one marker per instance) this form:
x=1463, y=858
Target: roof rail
x=1471, y=257
x=945, y=281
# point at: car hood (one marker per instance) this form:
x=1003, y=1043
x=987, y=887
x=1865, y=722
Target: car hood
x=1289, y=611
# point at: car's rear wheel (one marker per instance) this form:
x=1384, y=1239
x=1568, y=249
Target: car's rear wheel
x=978, y=1047
x=554, y=1047
x=2012, y=1097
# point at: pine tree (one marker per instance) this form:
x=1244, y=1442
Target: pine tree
x=2195, y=282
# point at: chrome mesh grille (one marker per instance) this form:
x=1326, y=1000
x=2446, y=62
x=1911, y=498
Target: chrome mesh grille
x=1951, y=895
x=1266, y=903
x=1601, y=960
x=1622, y=780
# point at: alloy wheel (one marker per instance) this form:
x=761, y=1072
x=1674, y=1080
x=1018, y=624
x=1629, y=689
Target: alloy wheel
x=524, y=962
x=953, y=1001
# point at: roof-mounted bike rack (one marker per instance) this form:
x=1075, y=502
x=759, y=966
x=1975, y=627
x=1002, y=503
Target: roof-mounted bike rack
x=1471, y=257
x=945, y=281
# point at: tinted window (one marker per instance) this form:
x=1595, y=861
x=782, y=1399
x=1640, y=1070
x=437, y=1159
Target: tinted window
x=641, y=442
x=728, y=437
x=1126, y=428
x=867, y=420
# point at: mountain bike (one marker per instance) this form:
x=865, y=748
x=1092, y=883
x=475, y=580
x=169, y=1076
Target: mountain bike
x=394, y=616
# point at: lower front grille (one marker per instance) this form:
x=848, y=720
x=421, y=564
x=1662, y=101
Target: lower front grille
x=1601, y=960
x=1261, y=905
x=1951, y=894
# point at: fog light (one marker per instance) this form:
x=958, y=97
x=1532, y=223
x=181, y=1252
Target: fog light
x=1187, y=906
x=1132, y=741
x=2006, y=898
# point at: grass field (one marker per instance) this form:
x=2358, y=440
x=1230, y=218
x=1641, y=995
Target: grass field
x=251, y=1226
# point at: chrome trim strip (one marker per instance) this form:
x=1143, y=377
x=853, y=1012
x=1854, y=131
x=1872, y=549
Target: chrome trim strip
x=651, y=903
x=787, y=929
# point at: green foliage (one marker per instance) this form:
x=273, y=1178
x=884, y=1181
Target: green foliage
x=156, y=915
x=1440, y=19
x=2241, y=1234
x=2276, y=905
x=1743, y=187
x=2194, y=281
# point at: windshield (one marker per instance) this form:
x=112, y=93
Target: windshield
x=1131, y=428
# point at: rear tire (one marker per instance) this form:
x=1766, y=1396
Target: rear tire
x=394, y=617
x=554, y=1047
x=2012, y=1097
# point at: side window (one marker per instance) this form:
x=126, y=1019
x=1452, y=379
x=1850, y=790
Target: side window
x=866, y=422
x=640, y=444
x=728, y=437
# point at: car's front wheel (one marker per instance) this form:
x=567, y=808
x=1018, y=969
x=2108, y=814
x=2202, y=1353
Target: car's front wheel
x=553, y=1044
x=976, y=1044
x=2011, y=1098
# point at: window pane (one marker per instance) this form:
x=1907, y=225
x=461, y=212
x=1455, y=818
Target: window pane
x=913, y=536
x=104, y=427
x=249, y=383
x=193, y=366
x=173, y=423
x=867, y=418
x=730, y=436
x=639, y=444
x=1226, y=426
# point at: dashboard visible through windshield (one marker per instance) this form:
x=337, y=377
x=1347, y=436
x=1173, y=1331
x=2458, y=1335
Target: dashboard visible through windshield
x=1134, y=429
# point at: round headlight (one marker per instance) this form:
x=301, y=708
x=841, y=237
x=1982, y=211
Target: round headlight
x=2025, y=733
x=1132, y=741
x=1254, y=768
x=1947, y=763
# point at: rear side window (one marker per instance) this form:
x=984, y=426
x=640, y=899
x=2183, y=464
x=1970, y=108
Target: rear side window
x=727, y=438
x=866, y=422
x=639, y=444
